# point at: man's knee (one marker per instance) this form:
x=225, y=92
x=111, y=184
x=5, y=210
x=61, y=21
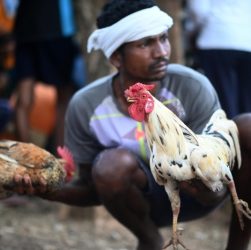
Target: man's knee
x=114, y=170
x=243, y=122
x=243, y=175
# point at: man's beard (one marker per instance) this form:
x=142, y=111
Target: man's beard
x=162, y=62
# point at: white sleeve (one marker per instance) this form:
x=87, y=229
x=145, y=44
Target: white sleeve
x=199, y=9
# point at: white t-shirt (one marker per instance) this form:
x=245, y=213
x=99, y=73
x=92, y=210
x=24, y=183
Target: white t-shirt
x=224, y=24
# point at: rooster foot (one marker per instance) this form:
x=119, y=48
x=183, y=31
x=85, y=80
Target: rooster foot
x=175, y=241
x=242, y=208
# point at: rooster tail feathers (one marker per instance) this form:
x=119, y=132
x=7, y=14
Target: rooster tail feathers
x=219, y=122
x=69, y=166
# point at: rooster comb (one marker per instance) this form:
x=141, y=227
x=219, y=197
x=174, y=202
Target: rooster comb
x=69, y=166
x=138, y=87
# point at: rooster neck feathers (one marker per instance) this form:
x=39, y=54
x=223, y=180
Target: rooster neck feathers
x=147, y=108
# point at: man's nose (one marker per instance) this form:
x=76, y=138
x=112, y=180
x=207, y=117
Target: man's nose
x=161, y=49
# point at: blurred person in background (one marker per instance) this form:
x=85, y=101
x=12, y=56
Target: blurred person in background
x=223, y=49
x=46, y=51
x=7, y=60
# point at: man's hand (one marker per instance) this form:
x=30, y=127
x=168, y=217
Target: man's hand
x=23, y=185
x=201, y=193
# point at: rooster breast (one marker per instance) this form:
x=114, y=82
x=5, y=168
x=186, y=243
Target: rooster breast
x=164, y=167
x=169, y=152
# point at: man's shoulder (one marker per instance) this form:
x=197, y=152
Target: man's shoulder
x=97, y=84
x=186, y=76
x=184, y=71
x=96, y=87
x=92, y=94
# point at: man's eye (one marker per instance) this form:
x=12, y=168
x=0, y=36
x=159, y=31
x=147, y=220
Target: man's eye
x=142, y=45
x=164, y=38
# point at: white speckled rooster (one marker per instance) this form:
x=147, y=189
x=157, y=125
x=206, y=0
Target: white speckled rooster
x=177, y=154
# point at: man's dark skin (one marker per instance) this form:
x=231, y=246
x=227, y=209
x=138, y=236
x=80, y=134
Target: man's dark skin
x=238, y=239
x=116, y=181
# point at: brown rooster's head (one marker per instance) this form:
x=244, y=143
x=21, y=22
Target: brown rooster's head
x=69, y=165
x=141, y=100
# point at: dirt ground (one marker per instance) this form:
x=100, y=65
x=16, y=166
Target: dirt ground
x=37, y=226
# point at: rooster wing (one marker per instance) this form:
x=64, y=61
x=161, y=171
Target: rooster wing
x=225, y=129
x=170, y=136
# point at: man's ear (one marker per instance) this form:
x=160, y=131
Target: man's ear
x=115, y=59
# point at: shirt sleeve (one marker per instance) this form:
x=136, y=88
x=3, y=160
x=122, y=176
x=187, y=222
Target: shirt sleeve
x=199, y=10
x=78, y=137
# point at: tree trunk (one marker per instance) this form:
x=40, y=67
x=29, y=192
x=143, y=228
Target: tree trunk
x=86, y=13
x=174, y=9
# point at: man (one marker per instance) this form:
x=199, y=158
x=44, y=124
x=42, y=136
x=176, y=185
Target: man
x=45, y=52
x=109, y=146
x=223, y=49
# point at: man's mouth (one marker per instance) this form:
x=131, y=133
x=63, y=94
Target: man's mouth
x=159, y=66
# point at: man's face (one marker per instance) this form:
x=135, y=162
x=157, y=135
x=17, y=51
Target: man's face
x=146, y=59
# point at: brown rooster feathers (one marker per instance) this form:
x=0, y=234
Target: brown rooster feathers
x=18, y=158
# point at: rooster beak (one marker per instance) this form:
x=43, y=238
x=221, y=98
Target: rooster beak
x=129, y=99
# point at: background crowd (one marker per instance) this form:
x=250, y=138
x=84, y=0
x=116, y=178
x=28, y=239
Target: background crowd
x=211, y=38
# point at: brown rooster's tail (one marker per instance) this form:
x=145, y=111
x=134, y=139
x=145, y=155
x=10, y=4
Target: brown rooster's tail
x=69, y=166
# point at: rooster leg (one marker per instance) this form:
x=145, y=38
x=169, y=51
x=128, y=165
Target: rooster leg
x=172, y=190
x=241, y=206
x=176, y=233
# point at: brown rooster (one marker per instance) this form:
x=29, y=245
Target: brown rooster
x=177, y=154
x=18, y=158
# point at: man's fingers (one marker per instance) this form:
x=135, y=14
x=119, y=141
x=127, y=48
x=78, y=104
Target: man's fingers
x=18, y=179
x=42, y=181
x=27, y=180
x=28, y=185
x=24, y=185
x=43, y=185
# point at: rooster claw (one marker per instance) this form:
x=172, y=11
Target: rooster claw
x=242, y=208
x=175, y=241
x=175, y=244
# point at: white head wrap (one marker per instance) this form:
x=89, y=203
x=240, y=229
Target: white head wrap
x=147, y=22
